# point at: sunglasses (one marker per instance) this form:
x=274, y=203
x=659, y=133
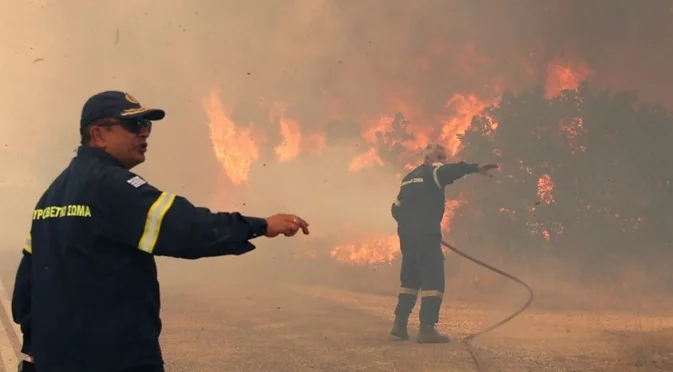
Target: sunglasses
x=135, y=125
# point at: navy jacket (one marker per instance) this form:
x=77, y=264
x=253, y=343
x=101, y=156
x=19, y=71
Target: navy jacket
x=87, y=290
x=421, y=202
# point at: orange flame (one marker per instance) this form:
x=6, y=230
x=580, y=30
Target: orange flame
x=562, y=75
x=373, y=135
x=545, y=187
x=293, y=140
x=289, y=148
x=234, y=147
x=386, y=143
x=384, y=249
x=376, y=250
x=366, y=160
x=573, y=127
x=450, y=211
x=466, y=107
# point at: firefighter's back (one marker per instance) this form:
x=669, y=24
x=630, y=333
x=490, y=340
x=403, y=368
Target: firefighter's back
x=421, y=200
x=95, y=300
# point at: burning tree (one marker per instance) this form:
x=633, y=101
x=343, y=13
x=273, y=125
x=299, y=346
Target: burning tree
x=584, y=174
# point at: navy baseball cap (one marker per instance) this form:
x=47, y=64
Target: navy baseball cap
x=118, y=105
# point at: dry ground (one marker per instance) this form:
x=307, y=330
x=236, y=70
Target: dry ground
x=238, y=314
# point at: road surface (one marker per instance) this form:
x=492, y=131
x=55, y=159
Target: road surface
x=221, y=317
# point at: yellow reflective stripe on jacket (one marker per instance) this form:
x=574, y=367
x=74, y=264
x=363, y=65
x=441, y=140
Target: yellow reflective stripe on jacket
x=28, y=246
x=435, y=174
x=153, y=223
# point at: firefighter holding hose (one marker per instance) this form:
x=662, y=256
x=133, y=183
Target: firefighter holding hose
x=419, y=210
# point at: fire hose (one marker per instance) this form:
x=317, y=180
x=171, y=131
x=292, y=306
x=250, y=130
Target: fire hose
x=466, y=340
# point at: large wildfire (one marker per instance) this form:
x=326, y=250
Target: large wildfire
x=435, y=95
x=390, y=140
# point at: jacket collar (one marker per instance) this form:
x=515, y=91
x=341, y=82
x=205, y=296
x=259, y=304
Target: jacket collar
x=100, y=154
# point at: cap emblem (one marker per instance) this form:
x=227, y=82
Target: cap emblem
x=131, y=99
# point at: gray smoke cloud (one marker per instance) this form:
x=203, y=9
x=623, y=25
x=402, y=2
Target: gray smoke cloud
x=320, y=57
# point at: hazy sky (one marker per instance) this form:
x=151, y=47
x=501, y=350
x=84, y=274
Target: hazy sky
x=324, y=59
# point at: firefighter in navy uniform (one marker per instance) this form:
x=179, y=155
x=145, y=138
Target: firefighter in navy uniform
x=94, y=295
x=419, y=210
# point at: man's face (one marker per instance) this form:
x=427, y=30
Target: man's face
x=126, y=140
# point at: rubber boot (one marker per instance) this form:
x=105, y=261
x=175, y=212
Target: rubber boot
x=429, y=335
x=399, y=329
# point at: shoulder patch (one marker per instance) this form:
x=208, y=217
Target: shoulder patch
x=136, y=181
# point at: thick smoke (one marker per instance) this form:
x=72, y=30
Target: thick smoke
x=331, y=61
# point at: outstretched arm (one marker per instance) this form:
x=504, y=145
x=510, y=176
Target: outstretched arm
x=165, y=224
x=446, y=174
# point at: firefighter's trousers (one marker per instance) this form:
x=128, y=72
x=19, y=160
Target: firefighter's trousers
x=422, y=273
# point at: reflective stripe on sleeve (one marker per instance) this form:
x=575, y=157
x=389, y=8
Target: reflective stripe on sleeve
x=435, y=176
x=153, y=223
x=28, y=246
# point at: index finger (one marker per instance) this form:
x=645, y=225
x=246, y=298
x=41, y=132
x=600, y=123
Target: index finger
x=303, y=225
x=297, y=220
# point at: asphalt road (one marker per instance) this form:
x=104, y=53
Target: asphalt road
x=221, y=316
